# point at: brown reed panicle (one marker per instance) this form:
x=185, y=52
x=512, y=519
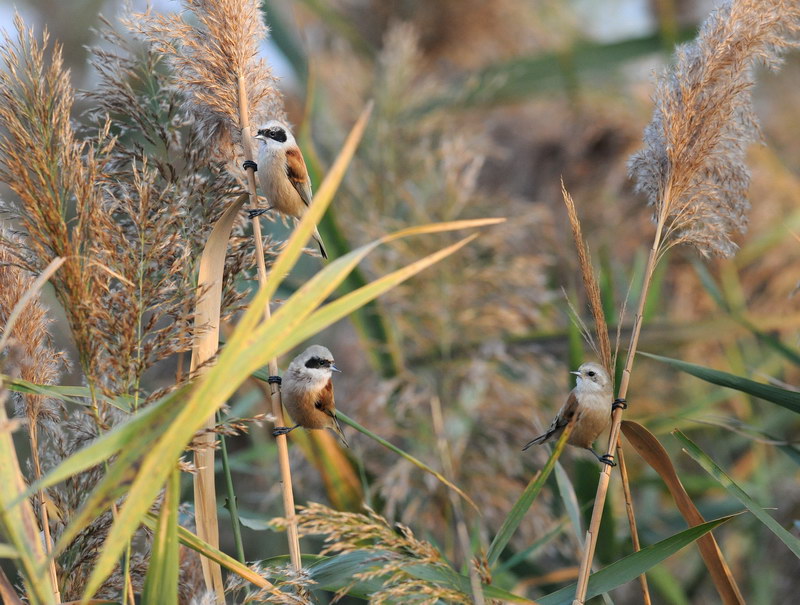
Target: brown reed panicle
x=207, y=59
x=395, y=548
x=136, y=91
x=168, y=192
x=144, y=251
x=601, y=346
x=692, y=168
x=56, y=178
x=290, y=589
x=39, y=361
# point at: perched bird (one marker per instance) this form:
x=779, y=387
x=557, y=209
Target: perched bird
x=591, y=401
x=282, y=175
x=308, y=392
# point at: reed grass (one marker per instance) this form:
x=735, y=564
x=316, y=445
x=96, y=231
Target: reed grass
x=604, y=352
x=692, y=169
x=141, y=193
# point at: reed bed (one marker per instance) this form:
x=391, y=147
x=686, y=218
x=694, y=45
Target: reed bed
x=144, y=317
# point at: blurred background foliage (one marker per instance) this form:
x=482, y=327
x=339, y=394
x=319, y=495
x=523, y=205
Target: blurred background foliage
x=481, y=108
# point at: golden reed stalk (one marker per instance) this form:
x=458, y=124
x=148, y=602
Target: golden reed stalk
x=274, y=392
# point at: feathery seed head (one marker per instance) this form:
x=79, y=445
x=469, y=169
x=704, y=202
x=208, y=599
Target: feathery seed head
x=692, y=168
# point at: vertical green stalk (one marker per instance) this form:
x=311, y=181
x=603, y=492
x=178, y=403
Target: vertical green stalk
x=230, y=502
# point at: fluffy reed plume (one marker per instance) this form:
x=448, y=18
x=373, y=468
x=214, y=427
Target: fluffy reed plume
x=57, y=180
x=38, y=361
x=692, y=168
x=208, y=58
x=154, y=126
x=168, y=192
x=395, y=549
x=291, y=589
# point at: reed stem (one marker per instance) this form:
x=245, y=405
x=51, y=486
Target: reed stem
x=275, y=393
x=231, y=505
x=616, y=419
x=626, y=489
x=33, y=433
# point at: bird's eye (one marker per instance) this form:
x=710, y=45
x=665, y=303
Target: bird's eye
x=277, y=134
x=590, y=373
x=318, y=405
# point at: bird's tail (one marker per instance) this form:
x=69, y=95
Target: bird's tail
x=338, y=428
x=318, y=238
x=538, y=440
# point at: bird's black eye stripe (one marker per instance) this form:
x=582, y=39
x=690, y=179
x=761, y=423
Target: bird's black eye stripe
x=318, y=362
x=276, y=134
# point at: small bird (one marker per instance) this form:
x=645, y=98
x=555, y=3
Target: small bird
x=591, y=400
x=308, y=392
x=282, y=175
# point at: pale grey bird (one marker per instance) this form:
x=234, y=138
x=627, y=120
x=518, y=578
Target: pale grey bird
x=282, y=175
x=591, y=400
x=307, y=391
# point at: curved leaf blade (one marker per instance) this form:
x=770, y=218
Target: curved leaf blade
x=521, y=506
x=705, y=461
x=335, y=572
x=782, y=397
x=251, y=347
x=161, y=582
x=630, y=567
x=649, y=448
x=402, y=453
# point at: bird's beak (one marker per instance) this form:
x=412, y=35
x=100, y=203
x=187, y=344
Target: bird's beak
x=576, y=372
x=338, y=429
x=335, y=369
x=260, y=137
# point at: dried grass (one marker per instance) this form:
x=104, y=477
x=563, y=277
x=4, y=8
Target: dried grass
x=207, y=58
x=692, y=168
x=57, y=180
x=395, y=548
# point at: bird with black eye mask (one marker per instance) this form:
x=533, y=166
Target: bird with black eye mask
x=282, y=175
x=307, y=390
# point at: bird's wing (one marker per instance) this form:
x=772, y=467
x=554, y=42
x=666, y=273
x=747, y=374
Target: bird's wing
x=298, y=174
x=566, y=412
x=561, y=420
x=325, y=401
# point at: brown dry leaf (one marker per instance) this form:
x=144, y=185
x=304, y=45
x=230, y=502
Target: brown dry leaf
x=206, y=342
x=656, y=456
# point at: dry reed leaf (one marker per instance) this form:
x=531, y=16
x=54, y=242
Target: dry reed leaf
x=649, y=448
x=18, y=522
x=206, y=342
